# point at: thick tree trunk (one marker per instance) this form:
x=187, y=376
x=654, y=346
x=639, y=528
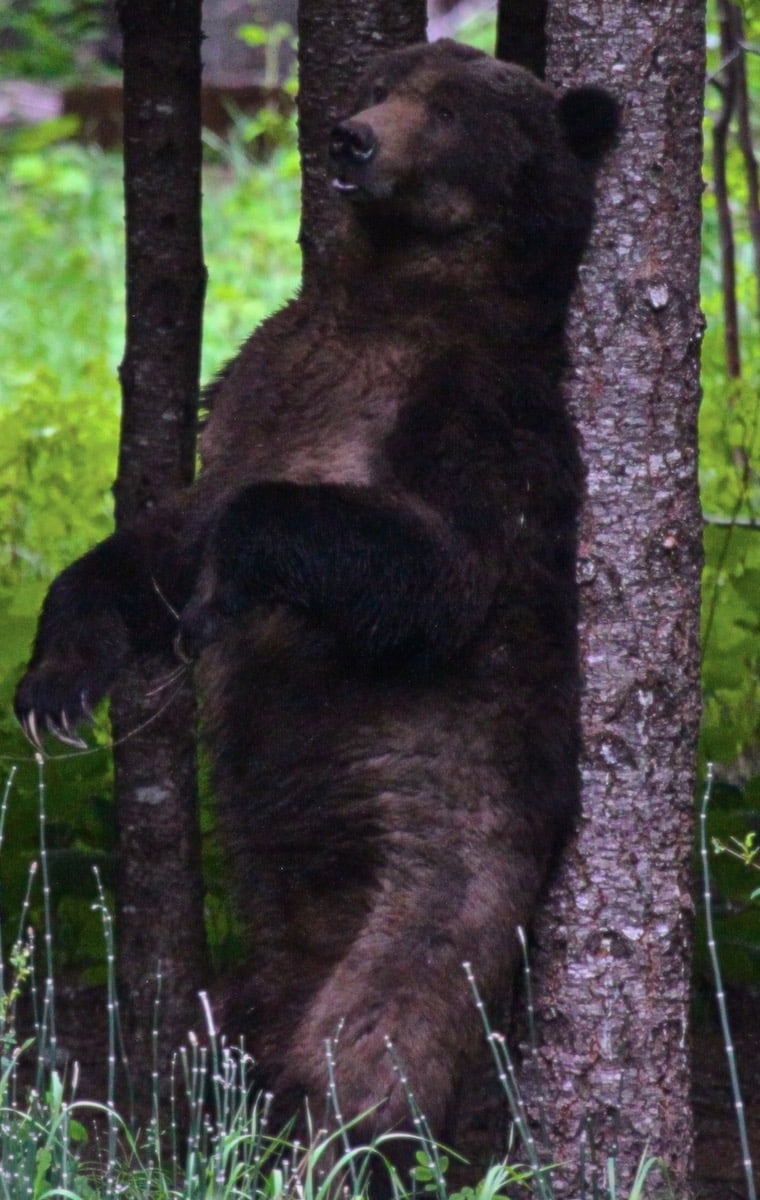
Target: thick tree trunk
x=612, y=959
x=336, y=41
x=159, y=889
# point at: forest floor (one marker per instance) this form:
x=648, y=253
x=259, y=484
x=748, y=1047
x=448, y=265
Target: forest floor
x=719, y=1170
x=82, y=1032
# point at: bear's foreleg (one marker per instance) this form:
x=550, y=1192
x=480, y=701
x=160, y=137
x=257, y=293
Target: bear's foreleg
x=392, y=577
x=119, y=600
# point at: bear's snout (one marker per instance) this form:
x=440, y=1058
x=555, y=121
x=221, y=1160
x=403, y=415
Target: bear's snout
x=352, y=143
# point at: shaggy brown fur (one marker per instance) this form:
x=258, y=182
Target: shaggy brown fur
x=376, y=569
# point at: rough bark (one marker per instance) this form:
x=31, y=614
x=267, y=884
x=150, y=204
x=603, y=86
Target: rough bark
x=612, y=956
x=336, y=41
x=159, y=888
x=520, y=33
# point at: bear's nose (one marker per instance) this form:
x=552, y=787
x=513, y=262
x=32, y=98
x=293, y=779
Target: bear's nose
x=352, y=142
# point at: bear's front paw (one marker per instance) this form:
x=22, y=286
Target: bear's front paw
x=56, y=699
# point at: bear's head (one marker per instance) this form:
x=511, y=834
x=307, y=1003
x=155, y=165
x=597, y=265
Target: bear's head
x=443, y=139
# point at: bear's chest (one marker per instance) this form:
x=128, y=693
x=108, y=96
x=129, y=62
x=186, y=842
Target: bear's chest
x=319, y=412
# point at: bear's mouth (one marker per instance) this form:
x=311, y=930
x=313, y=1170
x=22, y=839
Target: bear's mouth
x=344, y=186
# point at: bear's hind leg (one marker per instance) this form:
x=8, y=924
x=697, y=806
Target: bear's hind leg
x=398, y=1010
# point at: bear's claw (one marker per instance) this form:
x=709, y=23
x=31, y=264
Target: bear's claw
x=60, y=730
x=47, y=703
x=31, y=733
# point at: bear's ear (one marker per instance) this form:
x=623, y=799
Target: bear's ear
x=590, y=119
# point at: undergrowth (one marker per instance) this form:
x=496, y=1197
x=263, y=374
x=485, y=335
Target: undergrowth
x=209, y=1136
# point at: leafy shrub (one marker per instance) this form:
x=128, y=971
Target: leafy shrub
x=42, y=39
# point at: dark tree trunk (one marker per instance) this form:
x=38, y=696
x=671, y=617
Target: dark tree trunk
x=613, y=952
x=729, y=84
x=336, y=41
x=159, y=889
x=521, y=35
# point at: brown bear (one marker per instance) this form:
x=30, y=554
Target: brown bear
x=376, y=570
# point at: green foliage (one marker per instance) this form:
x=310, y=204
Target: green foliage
x=255, y=137
x=734, y=817
x=60, y=321
x=251, y=249
x=730, y=482
x=745, y=850
x=20, y=969
x=479, y=30
x=271, y=38
x=430, y=1171
x=729, y=438
x=43, y=39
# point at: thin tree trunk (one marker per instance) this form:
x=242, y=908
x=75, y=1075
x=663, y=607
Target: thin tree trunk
x=746, y=142
x=613, y=944
x=728, y=86
x=159, y=888
x=336, y=42
x=520, y=33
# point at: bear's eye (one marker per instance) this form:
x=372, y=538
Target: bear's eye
x=444, y=113
x=379, y=93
